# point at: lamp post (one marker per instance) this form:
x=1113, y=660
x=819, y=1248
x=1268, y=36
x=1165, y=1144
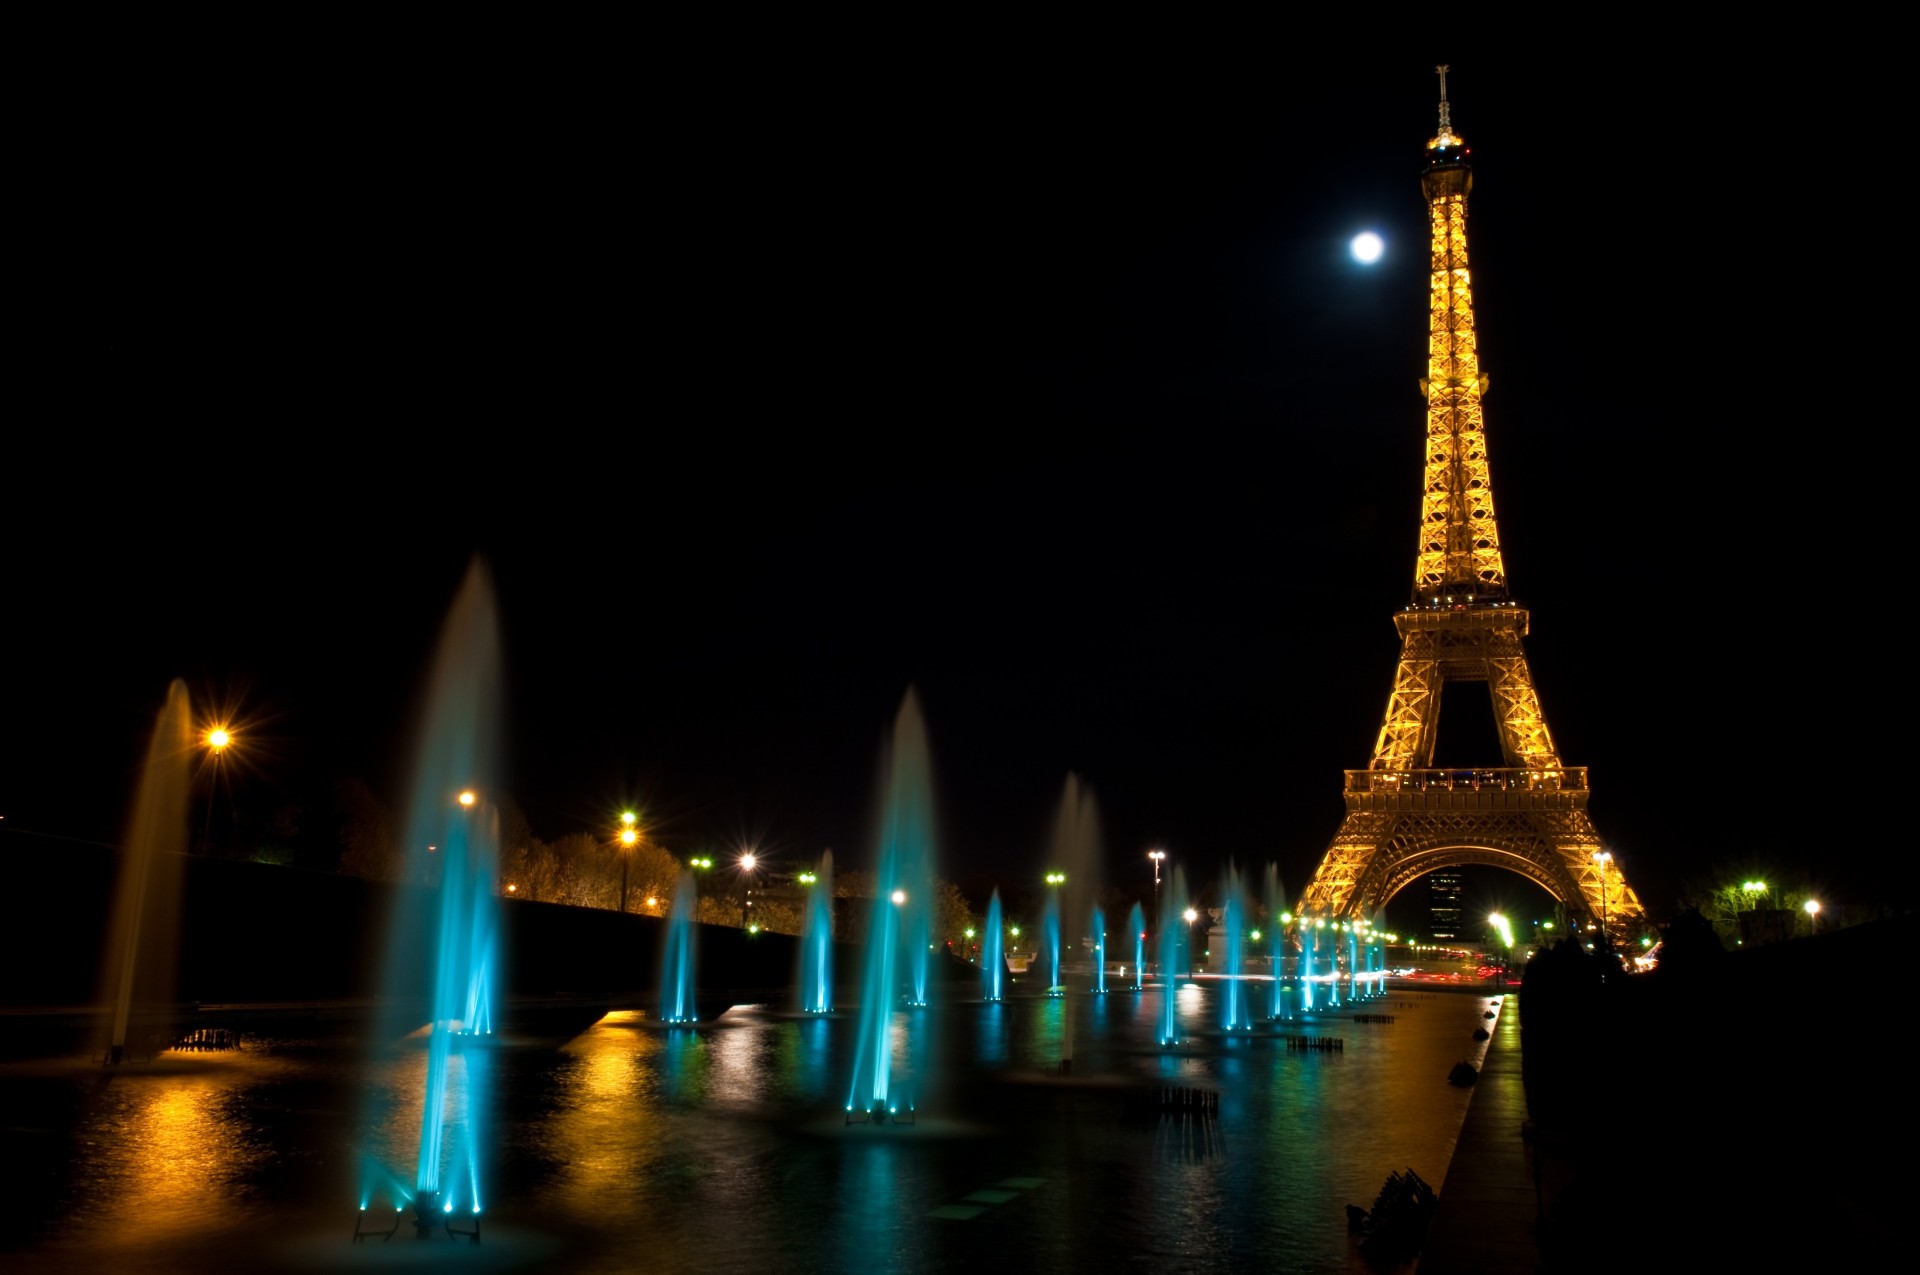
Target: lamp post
x=629, y=838
x=1813, y=915
x=1158, y=856
x=217, y=740
x=748, y=862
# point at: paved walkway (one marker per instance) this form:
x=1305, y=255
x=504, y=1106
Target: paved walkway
x=1484, y=1224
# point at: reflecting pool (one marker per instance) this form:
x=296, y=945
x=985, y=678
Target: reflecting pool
x=625, y=1143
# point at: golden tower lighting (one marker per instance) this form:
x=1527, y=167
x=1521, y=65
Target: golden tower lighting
x=1527, y=813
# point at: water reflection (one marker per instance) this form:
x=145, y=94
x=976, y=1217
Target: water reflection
x=602, y=1136
x=176, y=1143
x=635, y=1143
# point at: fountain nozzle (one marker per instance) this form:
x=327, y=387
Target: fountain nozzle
x=426, y=1214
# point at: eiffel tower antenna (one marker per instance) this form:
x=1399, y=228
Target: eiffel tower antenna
x=1527, y=813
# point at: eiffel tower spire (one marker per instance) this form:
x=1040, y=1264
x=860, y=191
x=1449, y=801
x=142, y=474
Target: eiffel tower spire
x=1459, y=542
x=1528, y=813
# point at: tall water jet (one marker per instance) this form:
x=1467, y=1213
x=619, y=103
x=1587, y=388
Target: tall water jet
x=142, y=944
x=1275, y=898
x=902, y=910
x=816, y=945
x=1050, y=938
x=1173, y=955
x=993, y=961
x=1235, y=1016
x=1137, y=927
x=1098, y=937
x=445, y=938
x=1073, y=871
x=677, y=961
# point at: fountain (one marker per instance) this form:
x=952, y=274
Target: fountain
x=1275, y=898
x=1050, y=937
x=444, y=939
x=816, y=945
x=677, y=960
x=142, y=948
x=1097, y=936
x=1235, y=1015
x=993, y=961
x=902, y=910
x=1173, y=955
x=1137, y=926
x=1073, y=878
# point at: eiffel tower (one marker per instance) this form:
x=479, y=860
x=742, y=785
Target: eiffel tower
x=1405, y=818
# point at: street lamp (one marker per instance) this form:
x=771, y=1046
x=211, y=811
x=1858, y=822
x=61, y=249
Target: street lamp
x=629, y=837
x=1813, y=915
x=1158, y=856
x=748, y=862
x=217, y=739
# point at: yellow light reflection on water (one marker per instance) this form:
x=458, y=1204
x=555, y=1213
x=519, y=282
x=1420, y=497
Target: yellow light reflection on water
x=171, y=1145
x=604, y=1135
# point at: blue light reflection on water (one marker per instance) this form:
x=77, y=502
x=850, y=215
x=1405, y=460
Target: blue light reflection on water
x=723, y=1146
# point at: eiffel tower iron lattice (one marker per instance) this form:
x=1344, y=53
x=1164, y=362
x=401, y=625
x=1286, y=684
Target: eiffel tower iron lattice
x=1405, y=818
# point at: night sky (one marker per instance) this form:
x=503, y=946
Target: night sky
x=1030, y=373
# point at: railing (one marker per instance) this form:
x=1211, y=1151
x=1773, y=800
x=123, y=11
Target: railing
x=1496, y=780
x=1495, y=787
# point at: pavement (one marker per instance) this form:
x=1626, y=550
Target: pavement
x=1486, y=1218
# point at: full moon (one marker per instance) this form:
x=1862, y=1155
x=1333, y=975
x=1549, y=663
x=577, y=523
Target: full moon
x=1367, y=247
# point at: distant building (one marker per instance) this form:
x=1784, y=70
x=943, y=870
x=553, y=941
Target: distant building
x=1443, y=898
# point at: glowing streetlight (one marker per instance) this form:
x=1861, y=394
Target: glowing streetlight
x=628, y=837
x=748, y=862
x=1158, y=857
x=1812, y=907
x=217, y=739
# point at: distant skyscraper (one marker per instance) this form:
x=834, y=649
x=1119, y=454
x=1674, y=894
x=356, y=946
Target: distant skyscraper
x=1443, y=896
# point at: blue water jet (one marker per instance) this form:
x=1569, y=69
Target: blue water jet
x=1274, y=896
x=444, y=941
x=898, y=930
x=1235, y=1015
x=677, y=974
x=816, y=945
x=1137, y=926
x=1173, y=954
x=1309, y=955
x=1050, y=936
x=993, y=961
x=1098, y=937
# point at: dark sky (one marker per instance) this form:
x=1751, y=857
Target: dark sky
x=774, y=379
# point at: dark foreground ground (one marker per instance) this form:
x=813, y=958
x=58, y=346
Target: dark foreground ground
x=1734, y=1111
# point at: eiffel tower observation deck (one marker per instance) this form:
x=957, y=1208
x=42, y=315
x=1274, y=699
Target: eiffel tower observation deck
x=1528, y=813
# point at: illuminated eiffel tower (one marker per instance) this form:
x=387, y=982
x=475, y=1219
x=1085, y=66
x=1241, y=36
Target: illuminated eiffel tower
x=1404, y=817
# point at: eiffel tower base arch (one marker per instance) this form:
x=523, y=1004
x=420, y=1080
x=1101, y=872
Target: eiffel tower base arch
x=1401, y=826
